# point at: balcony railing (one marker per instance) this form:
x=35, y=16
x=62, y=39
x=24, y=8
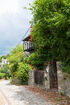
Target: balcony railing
x=28, y=46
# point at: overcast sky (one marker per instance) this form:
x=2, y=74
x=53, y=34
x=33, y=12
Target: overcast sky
x=14, y=21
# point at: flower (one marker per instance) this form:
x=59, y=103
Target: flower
x=29, y=61
x=51, y=62
x=30, y=64
x=30, y=39
x=37, y=55
x=29, y=35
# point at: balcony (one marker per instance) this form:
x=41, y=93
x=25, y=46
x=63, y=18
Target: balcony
x=28, y=46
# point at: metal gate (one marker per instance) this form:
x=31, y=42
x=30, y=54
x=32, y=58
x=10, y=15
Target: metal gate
x=39, y=77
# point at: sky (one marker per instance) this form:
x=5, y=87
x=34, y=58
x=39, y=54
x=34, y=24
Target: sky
x=14, y=22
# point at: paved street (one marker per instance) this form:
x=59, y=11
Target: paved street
x=1, y=99
x=18, y=95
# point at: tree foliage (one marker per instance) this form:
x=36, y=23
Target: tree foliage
x=22, y=72
x=51, y=29
x=5, y=69
x=2, y=57
x=16, y=56
x=17, y=65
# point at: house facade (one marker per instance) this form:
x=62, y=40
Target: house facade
x=4, y=61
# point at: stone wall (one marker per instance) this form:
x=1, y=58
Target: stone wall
x=63, y=83
x=46, y=80
x=31, y=78
x=31, y=81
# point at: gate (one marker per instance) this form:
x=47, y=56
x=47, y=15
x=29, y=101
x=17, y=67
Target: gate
x=39, y=77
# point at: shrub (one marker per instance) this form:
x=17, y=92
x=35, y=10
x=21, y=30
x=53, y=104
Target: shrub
x=6, y=71
x=22, y=72
x=65, y=67
x=2, y=75
x=15, y=57
x=36, y=61
x=61, y=93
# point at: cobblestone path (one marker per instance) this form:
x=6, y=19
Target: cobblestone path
x=18, y=95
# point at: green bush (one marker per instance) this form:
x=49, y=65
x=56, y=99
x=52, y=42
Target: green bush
x=22, y=72
x=65, y=67
x=36, y=61
x=6, y=71
x=2, y=75
x=18, y=66
x=15, y=57
x=61, y=93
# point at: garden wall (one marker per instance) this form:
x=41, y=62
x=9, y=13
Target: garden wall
x=63, y=80
x=39, y=78
x=63, y=83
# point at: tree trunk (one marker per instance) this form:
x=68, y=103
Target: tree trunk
x=53, y=75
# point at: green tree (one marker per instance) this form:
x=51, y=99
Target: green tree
x=17, y=65
x=2, y=57
x=16, y=56
x=51, y=32
x=6, y=71
x=22, y=72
